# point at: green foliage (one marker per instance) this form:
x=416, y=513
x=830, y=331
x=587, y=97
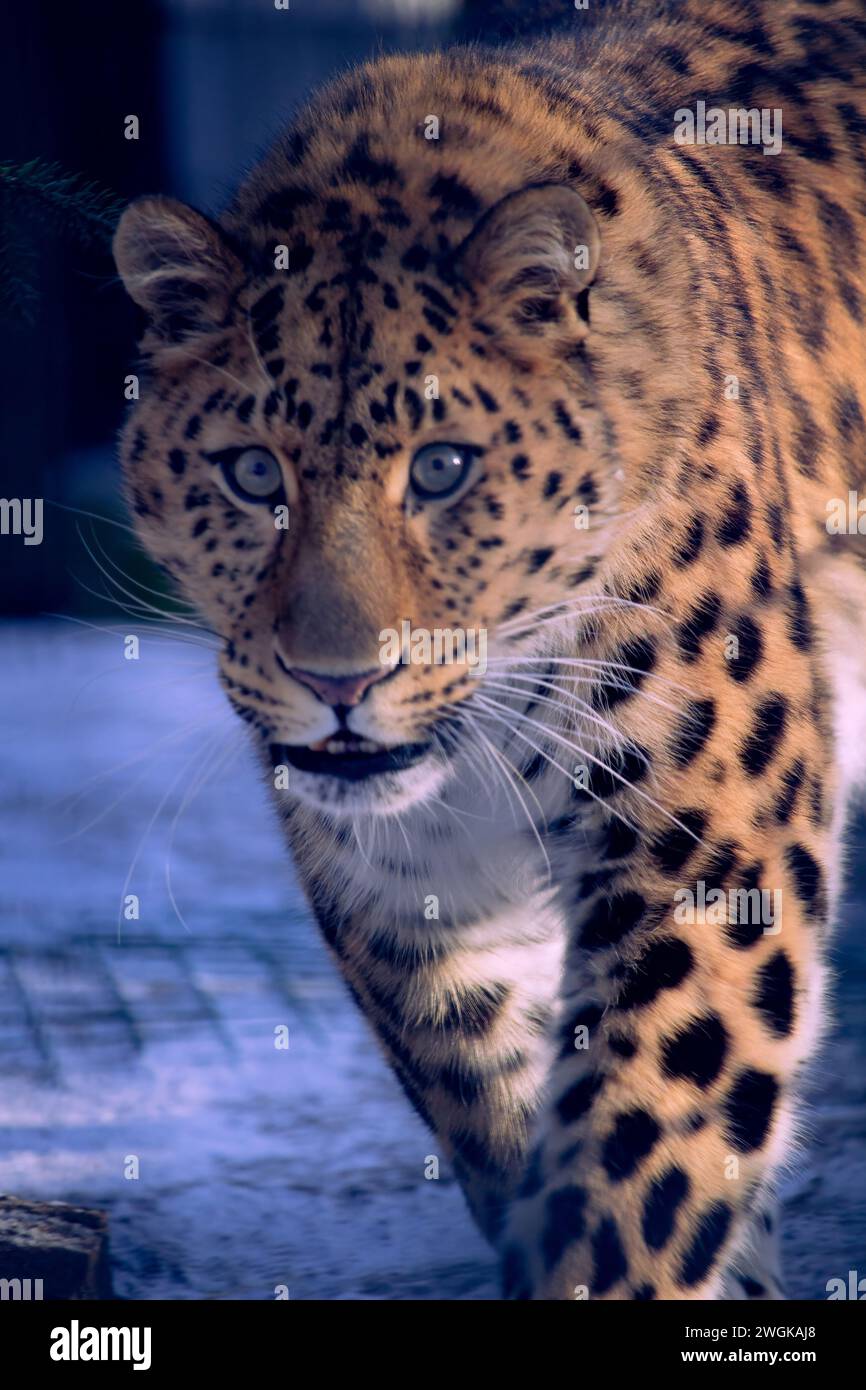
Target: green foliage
x=37, y=196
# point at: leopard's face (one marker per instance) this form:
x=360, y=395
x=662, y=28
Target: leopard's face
x=371, y=482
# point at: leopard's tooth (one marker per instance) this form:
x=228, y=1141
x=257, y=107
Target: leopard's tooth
x=350, y=743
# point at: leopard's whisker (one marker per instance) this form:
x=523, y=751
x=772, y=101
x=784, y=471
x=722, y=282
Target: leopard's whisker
x=453, y=810
x=574, y=603
x=70, y=800
x=501, y=758
x=567, y=743
x=445, y=736
x=142, y=603
x=500, y=764
x=608, y=602
x=232, y=745
x=139, y=584
x=487, y=760
x=166, y=633
x=92, y=516
x=361, y=851
x=611, y=810
x=69, y=804
x=581, y=710
x=194, y=670
x=146, y=835
x=596, y=683
x=212, y=366
x=613, y=739
x=568, y=705
x=257, y=358
x=586, y=663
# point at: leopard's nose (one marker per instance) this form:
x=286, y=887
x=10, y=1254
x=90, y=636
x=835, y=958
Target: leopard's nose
x=338, y=690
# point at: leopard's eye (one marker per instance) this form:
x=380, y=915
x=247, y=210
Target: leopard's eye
x=253, y=474
x=439, y=469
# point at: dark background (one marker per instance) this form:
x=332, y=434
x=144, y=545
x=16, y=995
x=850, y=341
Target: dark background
x=157, y=1039
x=212, y=82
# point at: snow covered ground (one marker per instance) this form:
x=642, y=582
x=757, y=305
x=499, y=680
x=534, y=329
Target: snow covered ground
x=148, y=1046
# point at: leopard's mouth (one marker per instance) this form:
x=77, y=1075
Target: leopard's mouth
x=349, y=756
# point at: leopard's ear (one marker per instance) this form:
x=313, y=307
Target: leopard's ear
x=531, y=259
x=177, y=266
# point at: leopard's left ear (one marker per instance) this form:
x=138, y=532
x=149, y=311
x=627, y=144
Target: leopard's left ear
x=532, y=257
x=177, y=265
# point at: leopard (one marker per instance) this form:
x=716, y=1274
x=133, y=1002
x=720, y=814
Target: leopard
x=495, y=340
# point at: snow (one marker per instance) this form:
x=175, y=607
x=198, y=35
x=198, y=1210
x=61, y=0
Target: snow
x=154, y=1039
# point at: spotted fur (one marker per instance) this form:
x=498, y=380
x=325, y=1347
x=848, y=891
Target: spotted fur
x=617, y=1090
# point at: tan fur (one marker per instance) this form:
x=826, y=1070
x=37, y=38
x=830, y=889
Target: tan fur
x=708, y=512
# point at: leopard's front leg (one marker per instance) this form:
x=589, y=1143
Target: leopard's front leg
x=670, y=1116
x=461, y=1006
x=692, y=997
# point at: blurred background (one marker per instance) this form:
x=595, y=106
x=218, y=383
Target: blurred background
x=152, y=937
x=211, y=82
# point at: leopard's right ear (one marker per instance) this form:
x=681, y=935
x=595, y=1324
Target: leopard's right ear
x=177, y=266
x=531, y=259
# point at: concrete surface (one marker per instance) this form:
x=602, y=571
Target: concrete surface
x=154, y=1040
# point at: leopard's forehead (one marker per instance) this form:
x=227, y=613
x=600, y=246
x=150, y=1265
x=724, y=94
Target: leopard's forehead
x=372, y=357
x=370, y=339
x=358, y=310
